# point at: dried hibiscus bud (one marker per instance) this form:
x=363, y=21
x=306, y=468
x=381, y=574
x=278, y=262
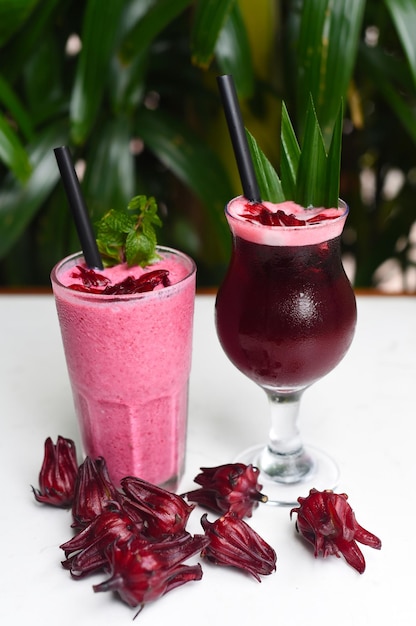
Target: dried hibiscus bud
x=58, y=473
x=130, y=507
x=94, y=491
x=328, y=522
x=164, y=513
x=233, y=542
x=232, y=487
x=87, y=551
x=141, y=575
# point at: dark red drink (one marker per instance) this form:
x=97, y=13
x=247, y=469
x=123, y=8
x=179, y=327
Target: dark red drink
x=285, y=314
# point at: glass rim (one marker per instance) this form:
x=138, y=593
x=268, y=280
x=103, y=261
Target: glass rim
x=315, y=225
x=302, y=234
x=122, y=297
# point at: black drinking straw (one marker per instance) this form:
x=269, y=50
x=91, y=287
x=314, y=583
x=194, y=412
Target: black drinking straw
x=238, y=137
x=78, y=208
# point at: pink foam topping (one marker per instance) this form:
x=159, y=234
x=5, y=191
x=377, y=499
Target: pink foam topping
x=285, y=223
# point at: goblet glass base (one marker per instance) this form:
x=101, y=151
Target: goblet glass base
x=281, y=490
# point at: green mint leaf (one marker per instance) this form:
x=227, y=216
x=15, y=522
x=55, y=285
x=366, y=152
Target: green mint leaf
x=111, y=235
x=129, y=235
x=140, y=249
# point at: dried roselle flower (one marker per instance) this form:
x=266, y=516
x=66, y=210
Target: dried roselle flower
x=232, y=488
x=94, y=492
x=58, y=473
x=170, y=550
x=164, y=513
x=141, y=575
x=86, y=552
x=328, y=522
x=233, y=542
x=130, y=507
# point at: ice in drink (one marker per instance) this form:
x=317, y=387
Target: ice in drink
x=285, y=312
x=129, y=358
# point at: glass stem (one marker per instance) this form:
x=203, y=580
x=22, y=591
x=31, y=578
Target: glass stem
x=284, y=458
x=284, y=436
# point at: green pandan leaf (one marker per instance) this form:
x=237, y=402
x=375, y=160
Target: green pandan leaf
x=334, y=162
x=311, y=177
x=208, y=22
x=268, y=181
x=289, y=155
x=308, y=175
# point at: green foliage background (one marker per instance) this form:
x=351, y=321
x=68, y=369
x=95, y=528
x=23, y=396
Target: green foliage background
x=138, y=105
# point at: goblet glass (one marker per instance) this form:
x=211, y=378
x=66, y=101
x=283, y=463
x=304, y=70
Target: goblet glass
x=285, y=317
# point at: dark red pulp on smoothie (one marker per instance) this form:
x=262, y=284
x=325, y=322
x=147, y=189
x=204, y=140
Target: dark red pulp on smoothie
x=92, y=282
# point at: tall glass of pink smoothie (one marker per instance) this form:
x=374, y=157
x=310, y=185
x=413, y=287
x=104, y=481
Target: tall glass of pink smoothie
x=129, y=359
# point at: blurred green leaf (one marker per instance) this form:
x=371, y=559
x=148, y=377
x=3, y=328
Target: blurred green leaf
x=233, y=53
x=191, y=160
x=403, y=14
x=268, y=181
x=129, y=66
x=98, y=36
x=326, y=53
x=12, y=152
x=20, y=48
x=128, y=82
x=386, y=71
x=140, y=24
x=43, y=81
x=157, y=17
x=18, y=204
x=209, y=20
x=55, y=234
x=13, y=14
x=15, y=108
x=109, y=180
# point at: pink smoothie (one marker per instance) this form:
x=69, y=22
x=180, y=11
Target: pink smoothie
x=128, y=359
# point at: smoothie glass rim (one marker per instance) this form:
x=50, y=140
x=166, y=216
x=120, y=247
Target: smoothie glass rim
x=188, y=262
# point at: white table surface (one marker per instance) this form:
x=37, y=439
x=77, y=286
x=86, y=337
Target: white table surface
x=363, y=412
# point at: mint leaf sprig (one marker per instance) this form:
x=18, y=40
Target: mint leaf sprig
x=129, y=236
x=309, y=175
